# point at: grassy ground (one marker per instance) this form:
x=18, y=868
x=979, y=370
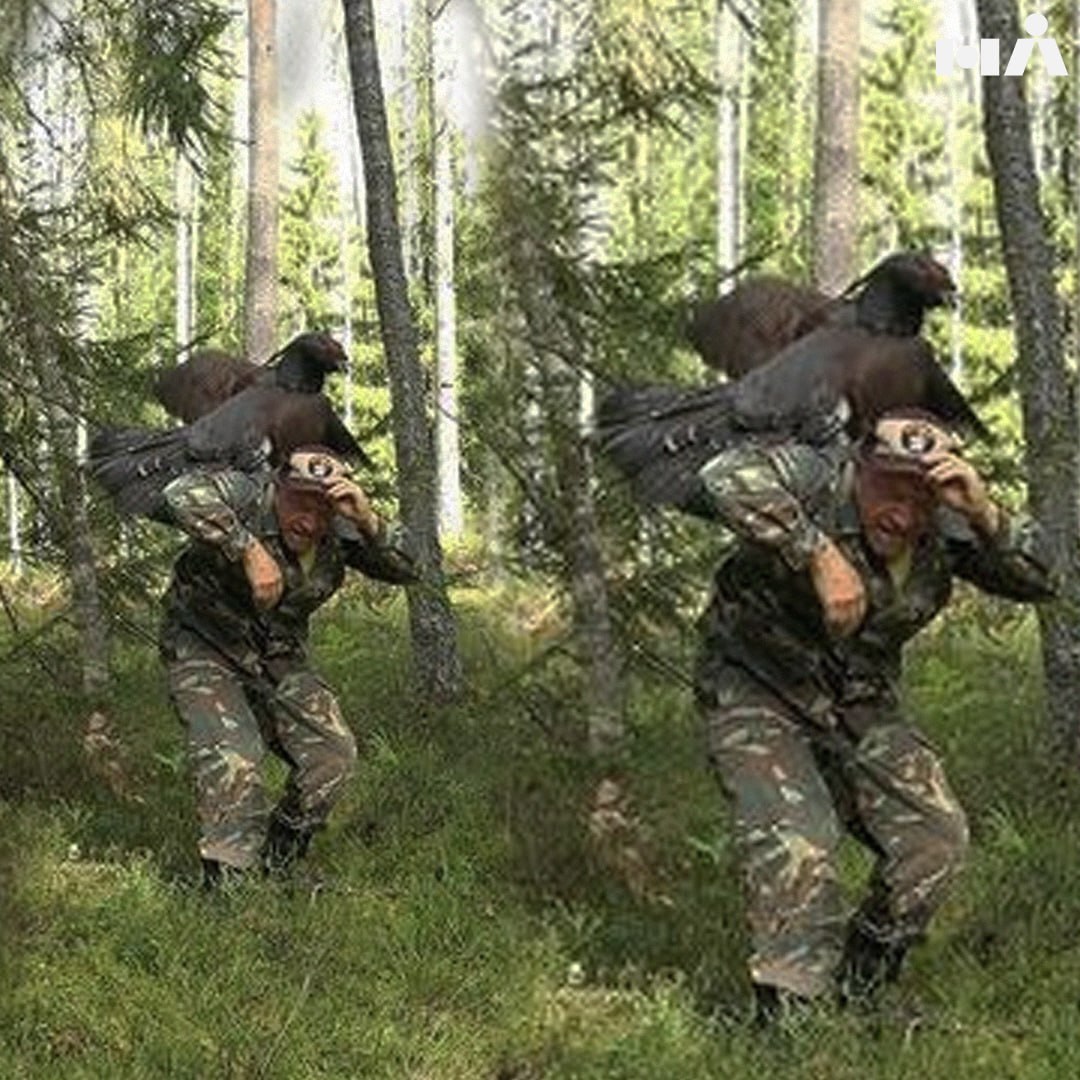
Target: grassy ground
x=468, y=926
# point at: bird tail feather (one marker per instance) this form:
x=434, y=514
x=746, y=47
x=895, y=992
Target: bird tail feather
x=659, y=437
x=135, y=464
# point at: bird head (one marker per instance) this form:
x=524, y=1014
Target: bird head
x=306, y=361
x=318, y=351
x=893, y=297
x=921, y=276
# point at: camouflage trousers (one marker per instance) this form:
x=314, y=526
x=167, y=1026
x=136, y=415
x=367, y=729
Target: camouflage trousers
x=794, y=787
x=231, y=722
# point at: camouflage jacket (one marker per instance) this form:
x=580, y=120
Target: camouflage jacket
x=209, y=596
x=765, y=614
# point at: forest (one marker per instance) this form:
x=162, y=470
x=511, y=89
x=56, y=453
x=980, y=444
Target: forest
x=503, y=210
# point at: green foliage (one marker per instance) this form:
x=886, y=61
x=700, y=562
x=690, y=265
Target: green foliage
x=311, y=266
x=81, y=301
x=778, y=148
x=170, y=53
x=924, y=177
x=219, y=278
x=903, y=136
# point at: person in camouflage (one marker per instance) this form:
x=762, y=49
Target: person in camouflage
x=267, y=550
x=844, y=553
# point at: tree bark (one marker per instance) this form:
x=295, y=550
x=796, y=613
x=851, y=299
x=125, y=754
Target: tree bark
x=1048, y=408
x=1075, y=69
x=569, y=514
x=14, y=524
x=412, y=249
x=186, y=184
x=55, y=143
x=580, y=542
x=70, y=524
x=447, y=429
x=836, y=150
x=729, y=64
x=434, y=635
x=260, y=284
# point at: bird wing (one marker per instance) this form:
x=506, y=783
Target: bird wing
x=310, y=420
x=265, y=411
x=761, y=316
x=340, y=439
x=200, y=384
x=873, y=372
x=660, y=437
x=134, y=465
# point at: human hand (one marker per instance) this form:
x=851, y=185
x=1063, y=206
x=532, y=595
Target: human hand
x=839, y=588
x=350, y=500
x=958, y=486
x=263, y=574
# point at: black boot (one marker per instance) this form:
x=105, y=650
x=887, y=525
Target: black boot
x=775, y=1007
x=870, y=963
x=217, y=876
x=284, y=846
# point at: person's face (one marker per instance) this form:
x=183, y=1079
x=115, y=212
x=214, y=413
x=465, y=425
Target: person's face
x=303, y=511
x=894, y=499
x=302, y=526
x=891, y=523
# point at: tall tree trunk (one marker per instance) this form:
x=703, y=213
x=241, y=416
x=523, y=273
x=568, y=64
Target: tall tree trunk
x=70, y=523
x=578, y=535
x=447, y=431
x=956, y=224
x=186, y=183
x=836, y=151
x=729, y=64
x=345, y=255
x=434, y=634
x=54, y=146
x=1075, y=69
x=14, y=524
x=412, y=249
x=1050, y=428
x=260, y=284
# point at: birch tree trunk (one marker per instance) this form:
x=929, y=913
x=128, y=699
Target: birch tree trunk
x=1050, y=425
x=434, y=635
x=451, y=509
x=186, y=185
x=729, y=63
x=14, y=524
x=260, y=283
x=345, y=257
x=836, y=151
x=1075, y=69
x=410, y=137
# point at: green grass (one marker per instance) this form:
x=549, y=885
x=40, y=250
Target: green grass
x=468, y=928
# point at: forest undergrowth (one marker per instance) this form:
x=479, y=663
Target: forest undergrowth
x=487, y=903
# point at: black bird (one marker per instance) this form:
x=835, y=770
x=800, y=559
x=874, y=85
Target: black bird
x=239, y=415
x=864, y=358
x=762, y=315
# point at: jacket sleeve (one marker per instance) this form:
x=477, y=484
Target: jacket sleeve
x=215, y=507
x=765, y=495
x=384, y=557
x=1015, y=562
